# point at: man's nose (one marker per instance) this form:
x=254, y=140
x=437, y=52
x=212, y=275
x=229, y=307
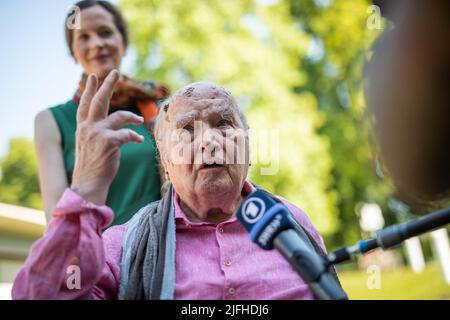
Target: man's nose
x=208, y=137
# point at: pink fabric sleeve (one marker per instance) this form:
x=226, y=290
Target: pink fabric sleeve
x=73, y=260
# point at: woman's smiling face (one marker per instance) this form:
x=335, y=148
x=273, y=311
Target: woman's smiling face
x=98, y=45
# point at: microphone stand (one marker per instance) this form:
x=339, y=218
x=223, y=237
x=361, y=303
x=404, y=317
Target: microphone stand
x=312, y=267
x=392, y=236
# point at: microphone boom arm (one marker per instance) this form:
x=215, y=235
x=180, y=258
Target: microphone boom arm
x=393, y=236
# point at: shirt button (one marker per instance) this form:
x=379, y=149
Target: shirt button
x=231, y=291
x=228, y=263
x=221, y=230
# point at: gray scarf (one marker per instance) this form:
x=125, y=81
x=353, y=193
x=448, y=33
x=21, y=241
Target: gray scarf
x=148, y=252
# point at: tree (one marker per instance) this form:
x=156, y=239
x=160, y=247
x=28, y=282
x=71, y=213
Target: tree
x=335, y=72
x=19, y=181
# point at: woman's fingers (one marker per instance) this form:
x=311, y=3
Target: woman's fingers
x=119, y=119
x=100, y=102
x=86, y=98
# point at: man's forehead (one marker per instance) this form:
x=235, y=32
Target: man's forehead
x=202, y=89
x=200, y=107
x=201, y=99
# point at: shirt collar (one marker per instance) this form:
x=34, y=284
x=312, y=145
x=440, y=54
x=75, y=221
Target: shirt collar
x=181, y=218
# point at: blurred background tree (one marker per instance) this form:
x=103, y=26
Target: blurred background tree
x=295, y=66
x=19, y=181
x=342, y=43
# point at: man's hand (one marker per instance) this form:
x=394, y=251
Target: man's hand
x=98, y=139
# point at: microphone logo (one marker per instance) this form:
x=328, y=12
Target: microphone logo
x=253, y=210
x=270, y=231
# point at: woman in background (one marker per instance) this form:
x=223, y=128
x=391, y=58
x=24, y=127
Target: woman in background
x=99, y=46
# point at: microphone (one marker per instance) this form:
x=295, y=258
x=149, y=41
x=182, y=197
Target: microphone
x=271, y=225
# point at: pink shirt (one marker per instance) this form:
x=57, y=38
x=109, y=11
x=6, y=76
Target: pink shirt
x=212, y=261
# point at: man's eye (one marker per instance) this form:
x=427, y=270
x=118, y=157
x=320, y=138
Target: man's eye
x=189, y=128
x=224, y=123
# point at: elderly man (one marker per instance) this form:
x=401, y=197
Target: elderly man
x=188, y=245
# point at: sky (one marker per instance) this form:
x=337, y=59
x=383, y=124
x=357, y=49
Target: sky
x=36, y=69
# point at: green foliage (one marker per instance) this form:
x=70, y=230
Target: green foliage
x=335, y=76
x=253, y=50
x=19, y=182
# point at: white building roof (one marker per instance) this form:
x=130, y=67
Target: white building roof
x=21, y=220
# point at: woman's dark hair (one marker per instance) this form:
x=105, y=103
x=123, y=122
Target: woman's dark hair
x=118, y=19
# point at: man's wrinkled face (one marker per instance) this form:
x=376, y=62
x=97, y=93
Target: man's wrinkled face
x=205, y=144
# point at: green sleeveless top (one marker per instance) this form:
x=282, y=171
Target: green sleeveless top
x=137, y=182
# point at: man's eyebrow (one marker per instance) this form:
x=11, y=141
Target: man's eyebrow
x=184, y=119
x=224, y=112
x=227, y=114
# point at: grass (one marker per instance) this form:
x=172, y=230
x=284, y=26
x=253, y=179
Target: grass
x=400, y=284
